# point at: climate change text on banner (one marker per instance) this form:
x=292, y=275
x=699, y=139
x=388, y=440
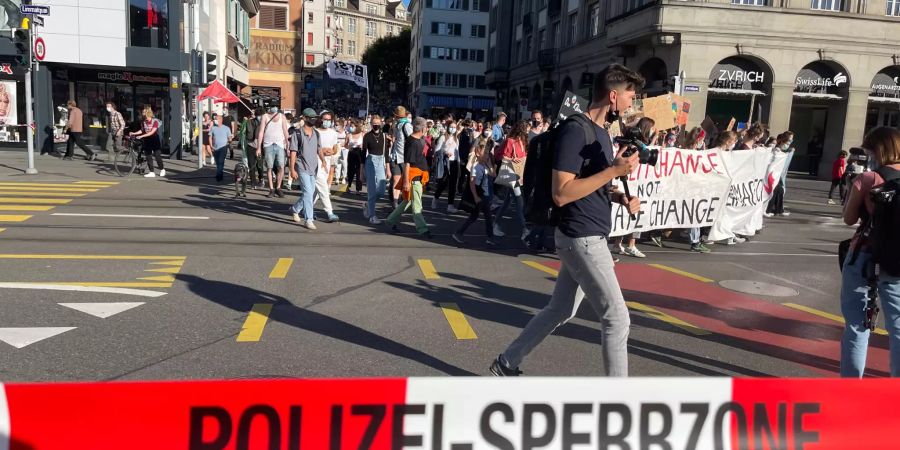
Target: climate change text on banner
x=754, y=176
x=686, y=189
x=356, y=73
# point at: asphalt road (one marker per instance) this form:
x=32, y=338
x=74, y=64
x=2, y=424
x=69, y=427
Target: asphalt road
x=224, y=288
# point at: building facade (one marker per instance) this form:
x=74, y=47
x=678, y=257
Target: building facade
x=800, y=65
x=357, y=24
x=448, y=59
x=276, y=60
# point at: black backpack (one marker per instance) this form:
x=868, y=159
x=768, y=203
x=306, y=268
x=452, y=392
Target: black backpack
x=538, y=176
x=884, y=226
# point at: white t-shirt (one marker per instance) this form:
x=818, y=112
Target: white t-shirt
x=328, y=137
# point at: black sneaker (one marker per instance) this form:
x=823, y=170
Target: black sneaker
x=500, y=370
x=270, y=194
x=279, y=193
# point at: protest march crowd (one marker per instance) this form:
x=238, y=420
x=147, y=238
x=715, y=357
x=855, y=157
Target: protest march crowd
x=579, y=185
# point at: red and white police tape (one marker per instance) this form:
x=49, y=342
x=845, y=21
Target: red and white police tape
x=454, y=414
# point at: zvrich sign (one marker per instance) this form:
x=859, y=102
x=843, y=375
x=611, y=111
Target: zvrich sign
x=740, y=76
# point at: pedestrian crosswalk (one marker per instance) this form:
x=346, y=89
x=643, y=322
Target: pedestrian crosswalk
x=28, y=198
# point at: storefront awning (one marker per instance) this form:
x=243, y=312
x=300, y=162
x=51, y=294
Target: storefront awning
x=884, y=99
x=817, y=95
x=729, y=91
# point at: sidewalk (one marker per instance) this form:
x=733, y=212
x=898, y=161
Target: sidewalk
x=51, y=168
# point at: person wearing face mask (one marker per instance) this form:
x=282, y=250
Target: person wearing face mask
x=537, y=124
x=339, y=160
x=375, y=147
x=466, y=139
x=776, y=203
x=401, y=130
x=446, y=166
x=116, y=131
x=354, y=156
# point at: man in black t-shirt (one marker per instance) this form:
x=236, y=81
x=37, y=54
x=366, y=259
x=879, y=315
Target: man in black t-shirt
x=584, y=167
x=413, y=178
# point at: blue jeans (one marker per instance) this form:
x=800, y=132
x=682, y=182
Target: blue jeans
x=376, y=181
x=695, y=235
x=305, y=202
x=855, y=341
x=220, y=154
x=520, y=207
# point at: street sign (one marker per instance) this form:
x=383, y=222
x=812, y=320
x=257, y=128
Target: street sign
x=40, y=49
x=37, y=20
x=38, y=10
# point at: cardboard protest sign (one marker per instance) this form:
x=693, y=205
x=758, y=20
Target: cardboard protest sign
x=660, y=110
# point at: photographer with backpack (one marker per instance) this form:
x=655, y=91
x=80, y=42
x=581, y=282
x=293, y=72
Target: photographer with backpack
x=583, y=168
x=871, y=268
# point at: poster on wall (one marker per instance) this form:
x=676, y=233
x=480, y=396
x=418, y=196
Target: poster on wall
x=10, y=17
x=8, y=110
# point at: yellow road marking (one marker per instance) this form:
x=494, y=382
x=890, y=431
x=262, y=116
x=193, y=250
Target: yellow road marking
x=281, y=268
x=169, y=278
x=103, y=284
x=53, y=185
x=49, y=190
x=25, y=208
x=659, y=315
x=47, y=201
x=13, y=218
x=165, y=270
x=428, y=270
x=255, y=323
x=457, y=321
x=41, y=194
x=111, y=257
x=682, y=273
x=826, y=315
x=541, y=267
x=653, y=312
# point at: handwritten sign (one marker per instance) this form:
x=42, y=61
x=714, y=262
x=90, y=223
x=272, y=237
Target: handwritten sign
x=572, y=104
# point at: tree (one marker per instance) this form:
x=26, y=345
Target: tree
x=388, y=62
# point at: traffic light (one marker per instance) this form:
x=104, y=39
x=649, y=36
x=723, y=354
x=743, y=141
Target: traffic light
x=22, y=39
x=210, y=67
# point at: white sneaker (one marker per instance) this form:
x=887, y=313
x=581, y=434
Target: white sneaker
x=498, y=232
x=162, y=173
x=830, y=201
x=150, y=175
x=621, y=249
x=374, y=220
x=634, y=252
x=366, y=211
x=296, y=217
x=739, y=240
x=785, y=214
x=310, y=225
x=452, y=209
x=769, y=215
x=434, y=203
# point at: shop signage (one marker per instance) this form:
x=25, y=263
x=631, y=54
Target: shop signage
x=886, y=84
x=691, y=88
x=6, y=68
x=737, y=74
x=836, y=81
x=130, y=77
x=39, y=10
x=273, y=54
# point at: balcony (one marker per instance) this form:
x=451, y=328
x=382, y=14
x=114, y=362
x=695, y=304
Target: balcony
x=547, y=59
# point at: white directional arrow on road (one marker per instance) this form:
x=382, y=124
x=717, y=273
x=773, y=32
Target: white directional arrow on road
x=102, y=310
x=22, y=337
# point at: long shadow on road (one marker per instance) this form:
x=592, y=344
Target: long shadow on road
x=241, y=298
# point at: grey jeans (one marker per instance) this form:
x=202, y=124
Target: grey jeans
x=588, y=265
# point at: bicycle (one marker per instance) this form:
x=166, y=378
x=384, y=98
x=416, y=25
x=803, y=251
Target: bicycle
x=130, y=158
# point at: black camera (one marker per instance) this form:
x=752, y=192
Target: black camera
x=631, y=138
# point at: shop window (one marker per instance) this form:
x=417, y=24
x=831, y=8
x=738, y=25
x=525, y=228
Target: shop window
x=149, y=23
x=271, y=17
x=828, y=5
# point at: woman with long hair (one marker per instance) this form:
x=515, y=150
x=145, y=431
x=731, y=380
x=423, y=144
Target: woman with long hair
x=481, y=186
x=446, y=165
x=207, y=146
x=149, y=136
x=514, y=149
x=355, y=155
x=883, y=148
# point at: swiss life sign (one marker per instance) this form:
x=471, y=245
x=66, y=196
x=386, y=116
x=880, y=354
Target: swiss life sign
x=39, y=10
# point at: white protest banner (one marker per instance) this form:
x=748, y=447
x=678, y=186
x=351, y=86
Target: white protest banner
x=754, y=176
x=356, y=73
x=686, y=189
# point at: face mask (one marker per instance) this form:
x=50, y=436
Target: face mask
x=109, y=109
x=353, y=129
x=273, y=110
x=452, y=130
x=326, y=124
x=376, y=129
x=535, y=123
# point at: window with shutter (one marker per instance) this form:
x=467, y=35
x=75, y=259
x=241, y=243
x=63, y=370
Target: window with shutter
x=272, y=17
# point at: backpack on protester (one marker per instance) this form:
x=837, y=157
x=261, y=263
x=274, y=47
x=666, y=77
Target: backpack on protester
x=884, y=226
x=538, y=175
